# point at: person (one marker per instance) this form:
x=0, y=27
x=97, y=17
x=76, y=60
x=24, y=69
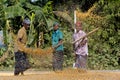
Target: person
x=80, y=47
x=21, y=61
x=57, y=40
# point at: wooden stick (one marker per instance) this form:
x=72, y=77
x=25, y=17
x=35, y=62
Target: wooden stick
x=91, y=32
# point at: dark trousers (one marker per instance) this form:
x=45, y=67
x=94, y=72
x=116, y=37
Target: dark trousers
x=21, y=62
x=58, y=60
x=81, y=61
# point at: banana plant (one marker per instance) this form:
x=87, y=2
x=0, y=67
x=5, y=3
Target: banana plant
x=23, y=8
x=41, y=20
x=32, y=33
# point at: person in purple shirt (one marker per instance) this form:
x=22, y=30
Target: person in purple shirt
x=80, y=47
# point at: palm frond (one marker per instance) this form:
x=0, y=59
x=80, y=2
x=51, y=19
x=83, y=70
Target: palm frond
x=64, y=15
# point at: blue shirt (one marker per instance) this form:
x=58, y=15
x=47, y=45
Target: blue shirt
x=56, y=37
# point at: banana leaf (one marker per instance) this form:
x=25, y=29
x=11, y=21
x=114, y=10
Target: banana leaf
x=65, y=16
x=12, y=11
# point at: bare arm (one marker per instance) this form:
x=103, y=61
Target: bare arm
x=83, y=42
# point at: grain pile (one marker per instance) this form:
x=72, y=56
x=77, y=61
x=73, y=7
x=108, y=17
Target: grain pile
x=67, y=74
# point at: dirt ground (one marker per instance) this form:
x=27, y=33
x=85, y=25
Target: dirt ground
x=68, y=74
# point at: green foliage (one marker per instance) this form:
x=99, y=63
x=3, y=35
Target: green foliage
x=2, y=50
x=104, y=46
x=8, y=63
x=12, y=11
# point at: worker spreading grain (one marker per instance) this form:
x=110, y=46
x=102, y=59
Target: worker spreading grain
x=21, y=61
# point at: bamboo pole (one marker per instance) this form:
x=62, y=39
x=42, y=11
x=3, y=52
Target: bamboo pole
x=88, y=34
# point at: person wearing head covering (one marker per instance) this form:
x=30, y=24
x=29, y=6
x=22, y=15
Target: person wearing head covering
x=21, y=61
x=57, y=38
x=80, y=47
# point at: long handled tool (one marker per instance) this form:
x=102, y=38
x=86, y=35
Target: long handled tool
x=88, y=34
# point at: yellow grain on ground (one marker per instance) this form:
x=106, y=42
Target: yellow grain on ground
x=67, y=74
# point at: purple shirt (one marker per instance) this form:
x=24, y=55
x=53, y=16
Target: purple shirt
x=81, y=50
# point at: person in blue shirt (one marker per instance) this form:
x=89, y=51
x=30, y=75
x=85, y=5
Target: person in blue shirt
x=57, y=40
